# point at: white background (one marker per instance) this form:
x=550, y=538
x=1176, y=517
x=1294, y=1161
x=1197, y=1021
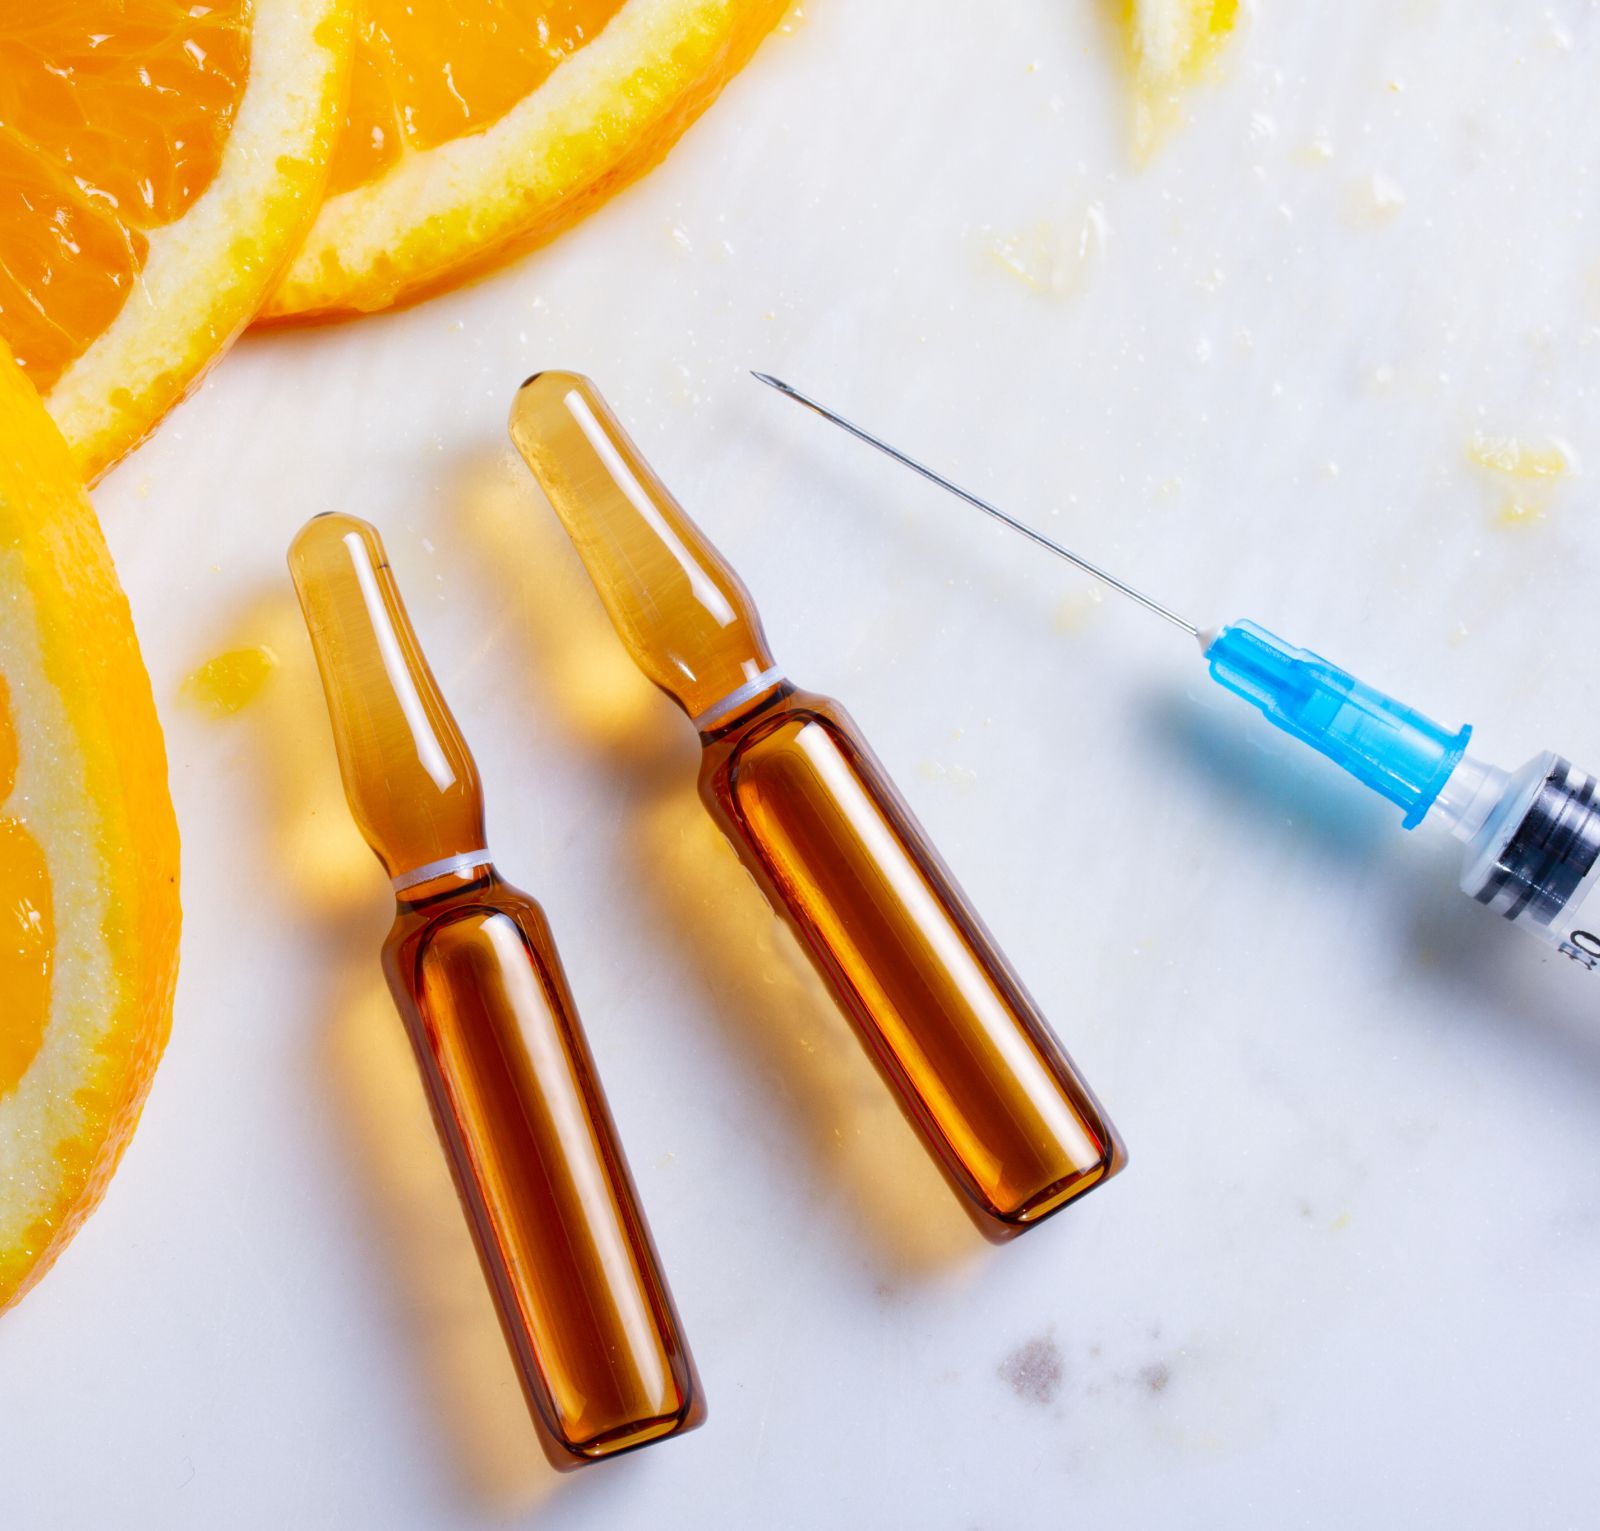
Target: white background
x=1351, y=1272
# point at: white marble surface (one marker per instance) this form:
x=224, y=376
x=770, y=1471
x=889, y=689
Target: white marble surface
x=1350, y=1273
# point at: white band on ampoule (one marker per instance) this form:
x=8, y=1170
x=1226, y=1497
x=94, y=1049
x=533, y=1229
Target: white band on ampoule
x=442, y=868
x=768, y=677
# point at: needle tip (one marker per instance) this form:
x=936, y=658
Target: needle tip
x=1027, y=531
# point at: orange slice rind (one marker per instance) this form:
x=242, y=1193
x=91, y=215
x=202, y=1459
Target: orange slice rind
x=606, y=112
x=159, y=163
x=88, y=852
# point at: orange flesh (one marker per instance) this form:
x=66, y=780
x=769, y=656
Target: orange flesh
x=112, y=122
x=457, y=68
x=27, y=930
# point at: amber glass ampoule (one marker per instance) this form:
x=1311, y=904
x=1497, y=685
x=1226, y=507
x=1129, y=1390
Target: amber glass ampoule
x=816, y=820
x=508, y=1074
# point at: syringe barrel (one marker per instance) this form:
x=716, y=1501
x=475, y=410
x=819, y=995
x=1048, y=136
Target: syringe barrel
x=1536, y=856
x=1388, y=746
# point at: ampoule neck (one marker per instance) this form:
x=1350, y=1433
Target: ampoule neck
x=759, y=695
x=684, y=615
x=431, y=886
x=408, y=775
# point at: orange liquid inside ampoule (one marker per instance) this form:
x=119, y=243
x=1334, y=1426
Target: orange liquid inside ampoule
x=508, y=1074
x=539, y=1169
x=815, y=819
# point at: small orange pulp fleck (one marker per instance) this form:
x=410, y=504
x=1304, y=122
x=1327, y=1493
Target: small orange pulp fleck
x=1519, y=459
x=230, y=681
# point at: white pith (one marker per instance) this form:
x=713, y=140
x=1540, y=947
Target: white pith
x=51, y=797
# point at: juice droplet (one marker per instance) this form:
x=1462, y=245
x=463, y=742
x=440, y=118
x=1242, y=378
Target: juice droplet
x=231, y=681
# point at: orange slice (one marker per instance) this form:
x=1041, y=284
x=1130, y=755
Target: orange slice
x=478, y=127
x=88, y=851
x=159, y=162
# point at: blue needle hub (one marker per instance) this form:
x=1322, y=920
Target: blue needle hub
x=1388, y=746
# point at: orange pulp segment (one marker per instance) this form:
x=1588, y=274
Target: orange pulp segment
x=112, y=122
x=479, y=127
x=88, y=851
x=424, y=74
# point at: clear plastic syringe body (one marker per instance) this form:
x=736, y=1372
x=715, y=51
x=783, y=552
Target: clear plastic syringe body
x=1532, y=836
x=813, y=816
x=1532, y=841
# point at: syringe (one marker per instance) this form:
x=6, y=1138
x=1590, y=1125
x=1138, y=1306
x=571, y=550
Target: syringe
x=1532, y=836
